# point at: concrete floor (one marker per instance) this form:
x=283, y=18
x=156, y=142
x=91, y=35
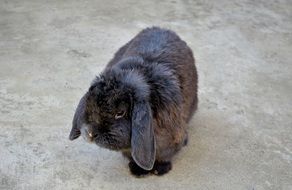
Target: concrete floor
x=240, y=138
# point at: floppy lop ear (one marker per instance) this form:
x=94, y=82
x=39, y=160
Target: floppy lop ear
x=78, y=118
x=142, y=139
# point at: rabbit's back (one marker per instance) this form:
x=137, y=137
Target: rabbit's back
x=161, y=46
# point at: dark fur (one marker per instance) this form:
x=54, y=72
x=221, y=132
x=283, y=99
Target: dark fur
x=153, y=80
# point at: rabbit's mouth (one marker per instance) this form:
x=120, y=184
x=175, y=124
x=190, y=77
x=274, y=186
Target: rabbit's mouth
x=110, y=139
x=110, y=142
x=104, y=141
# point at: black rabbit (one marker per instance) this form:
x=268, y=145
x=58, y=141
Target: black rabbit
x=142, y=101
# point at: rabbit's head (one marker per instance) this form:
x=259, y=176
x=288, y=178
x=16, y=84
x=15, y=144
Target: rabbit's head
x=115, y=113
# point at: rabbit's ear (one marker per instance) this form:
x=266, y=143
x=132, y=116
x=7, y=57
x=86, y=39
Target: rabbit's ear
x=142, y=138
x=78, y=118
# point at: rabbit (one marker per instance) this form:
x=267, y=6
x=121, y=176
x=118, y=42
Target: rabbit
x=142, y=102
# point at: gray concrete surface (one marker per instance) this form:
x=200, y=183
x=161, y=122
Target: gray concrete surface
x=241, y=137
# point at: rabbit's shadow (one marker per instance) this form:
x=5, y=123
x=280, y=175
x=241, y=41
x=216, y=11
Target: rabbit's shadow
x=205, y=130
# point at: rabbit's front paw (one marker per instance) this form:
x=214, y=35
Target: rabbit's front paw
x=161, y=168
x=136, y=170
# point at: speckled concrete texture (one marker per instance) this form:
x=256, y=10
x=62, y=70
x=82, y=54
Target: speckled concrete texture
x=240, y=138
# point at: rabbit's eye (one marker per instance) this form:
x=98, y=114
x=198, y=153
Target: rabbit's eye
x=120, y=114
